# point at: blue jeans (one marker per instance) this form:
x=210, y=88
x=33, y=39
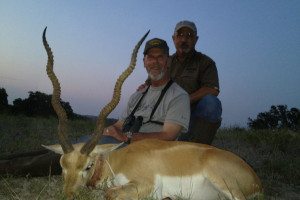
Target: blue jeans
x=208, y=108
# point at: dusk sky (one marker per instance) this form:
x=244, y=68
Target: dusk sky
x=255, y=44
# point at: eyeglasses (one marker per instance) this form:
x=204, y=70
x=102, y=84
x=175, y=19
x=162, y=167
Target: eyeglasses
x=188, y=35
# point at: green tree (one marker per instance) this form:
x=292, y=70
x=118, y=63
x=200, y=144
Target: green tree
x=278, y=117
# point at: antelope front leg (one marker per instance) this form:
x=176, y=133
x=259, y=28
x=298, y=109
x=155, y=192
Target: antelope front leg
x=128, y=191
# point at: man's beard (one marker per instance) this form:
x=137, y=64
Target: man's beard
x=185, y=48
x=156, y=77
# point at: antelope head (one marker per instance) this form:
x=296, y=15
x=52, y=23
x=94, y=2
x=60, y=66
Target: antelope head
x=78, y=161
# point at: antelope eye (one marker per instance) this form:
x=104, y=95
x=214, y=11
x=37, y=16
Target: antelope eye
x=89, y=166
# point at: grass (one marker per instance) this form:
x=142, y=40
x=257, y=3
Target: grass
x=20, y=133
x=40, y=188
x=274, y=155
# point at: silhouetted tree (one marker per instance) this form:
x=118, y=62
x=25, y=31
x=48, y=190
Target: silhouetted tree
x=39, y=104
x=277, y=118
x=3, y=100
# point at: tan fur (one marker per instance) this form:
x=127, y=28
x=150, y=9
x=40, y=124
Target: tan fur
x=140, y=162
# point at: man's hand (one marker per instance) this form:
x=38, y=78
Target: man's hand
x=142, y=87
x=115, y=132
x=201, y=92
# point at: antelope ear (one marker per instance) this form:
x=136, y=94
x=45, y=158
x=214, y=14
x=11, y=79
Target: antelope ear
x=105, y=148
x=56, y=148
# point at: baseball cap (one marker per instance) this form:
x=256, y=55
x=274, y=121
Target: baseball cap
x=185, y=23
x=156, y=43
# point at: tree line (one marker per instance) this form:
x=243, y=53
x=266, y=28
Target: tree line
x=38, y=104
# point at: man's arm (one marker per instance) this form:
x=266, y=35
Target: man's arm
x=170, y=131
x=203, y=91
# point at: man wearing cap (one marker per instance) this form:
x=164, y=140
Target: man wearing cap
x=197, y=74
x=161, y=119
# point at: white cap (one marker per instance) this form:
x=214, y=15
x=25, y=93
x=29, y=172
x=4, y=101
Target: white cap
x=185, y=23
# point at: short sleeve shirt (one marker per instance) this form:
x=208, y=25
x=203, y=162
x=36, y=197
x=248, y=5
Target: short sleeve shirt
x=174, y=107
x=197, y=70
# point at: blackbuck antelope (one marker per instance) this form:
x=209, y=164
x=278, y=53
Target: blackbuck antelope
x=148, y=168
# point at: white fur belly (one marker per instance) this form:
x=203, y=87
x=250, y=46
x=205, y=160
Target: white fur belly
x=118, y=180
x=188, y=187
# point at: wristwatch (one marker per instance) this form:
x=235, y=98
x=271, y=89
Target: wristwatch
x=129, y=136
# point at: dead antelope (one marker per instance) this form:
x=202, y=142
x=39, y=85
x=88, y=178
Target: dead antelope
x=148, y=168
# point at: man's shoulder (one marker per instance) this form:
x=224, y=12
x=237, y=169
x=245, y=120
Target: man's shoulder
x=177, y=90
x=203, y=57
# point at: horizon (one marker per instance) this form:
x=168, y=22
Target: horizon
x=95, y=116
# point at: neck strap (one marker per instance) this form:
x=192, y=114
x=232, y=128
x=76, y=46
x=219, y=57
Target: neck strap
x=164, y=90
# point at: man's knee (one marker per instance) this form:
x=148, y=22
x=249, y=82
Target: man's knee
x=209, y=108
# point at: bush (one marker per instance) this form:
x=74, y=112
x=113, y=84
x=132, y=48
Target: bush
x=279, y=117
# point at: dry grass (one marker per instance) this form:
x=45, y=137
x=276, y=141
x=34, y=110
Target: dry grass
x=20, y=133
x=274, y=155
x=40, y=188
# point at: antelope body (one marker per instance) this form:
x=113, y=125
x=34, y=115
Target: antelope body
x=160, y=169
x=150, y=167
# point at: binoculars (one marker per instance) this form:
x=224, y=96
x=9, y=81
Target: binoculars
x=132, y=124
